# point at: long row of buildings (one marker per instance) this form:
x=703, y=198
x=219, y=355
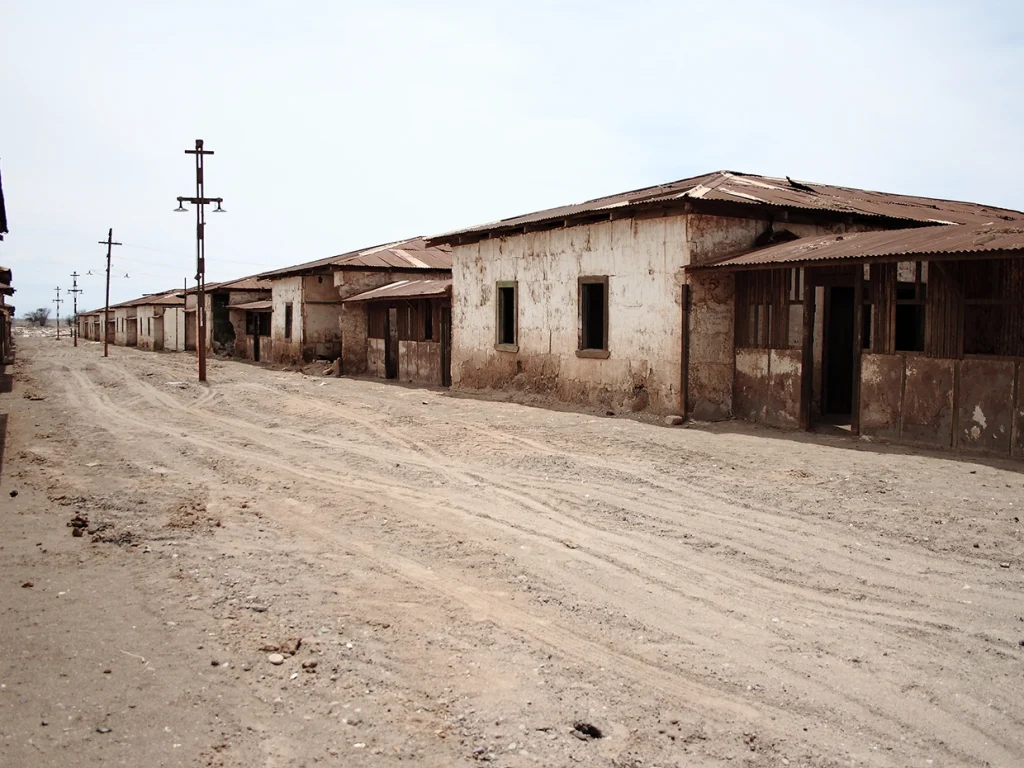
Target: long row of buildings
x=729, y=294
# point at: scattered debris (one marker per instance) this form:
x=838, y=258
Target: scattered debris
x=27, y=585
x=673, y=421
x=309, y=666
x=13, y=494
x=102, y=729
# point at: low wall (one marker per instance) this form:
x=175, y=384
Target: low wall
x=419, y=362
x=767, y=386
x=974, y=405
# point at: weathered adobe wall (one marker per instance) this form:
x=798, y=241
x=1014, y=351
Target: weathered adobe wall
x=243, y=344
x=643, y=260
x=941, y=402
x=712, y=306
x=287, y=290
x=768, y=386
x=352, y=322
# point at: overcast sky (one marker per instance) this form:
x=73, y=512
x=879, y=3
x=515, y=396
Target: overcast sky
x=339, y=125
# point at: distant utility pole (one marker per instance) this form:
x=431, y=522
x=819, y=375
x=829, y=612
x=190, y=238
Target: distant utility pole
x=109, y=242
x=58, y=301
x=74, y=291
x=200, y=202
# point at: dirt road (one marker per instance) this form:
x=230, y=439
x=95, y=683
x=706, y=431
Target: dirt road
x=475, y=579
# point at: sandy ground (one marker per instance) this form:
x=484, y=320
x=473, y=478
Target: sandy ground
x=473, y=579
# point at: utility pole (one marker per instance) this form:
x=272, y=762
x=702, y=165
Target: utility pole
x=200, y=202
x=58, y=301
x=75, y=290
x=109, y=242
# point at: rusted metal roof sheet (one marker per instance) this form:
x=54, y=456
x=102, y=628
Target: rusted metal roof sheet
x=405, y=289
x=254, y=283
x=254, y=306
x=405, y=254
x=901, y=244
x=765, y=192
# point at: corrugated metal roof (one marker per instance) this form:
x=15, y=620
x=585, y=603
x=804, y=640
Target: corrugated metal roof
x=253, y=283
x=254, y=306
x=897, y=243
x=404, y=254
x=764, y=191
x=405, y=289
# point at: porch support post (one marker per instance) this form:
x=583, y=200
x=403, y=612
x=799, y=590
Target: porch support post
x=858, y=344
x=807, y=361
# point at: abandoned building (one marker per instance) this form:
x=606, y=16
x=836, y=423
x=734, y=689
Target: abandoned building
x=228, y=328
x=309, y=319
x=408, y=330
x=6, y=313
x=631, y=301
x=161, y=322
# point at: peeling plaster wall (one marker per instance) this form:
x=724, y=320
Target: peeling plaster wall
x=287, y=290
x=768, y=386
x=643, y=260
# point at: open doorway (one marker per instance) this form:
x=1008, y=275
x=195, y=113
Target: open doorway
x=838, y=366
x=391, y=344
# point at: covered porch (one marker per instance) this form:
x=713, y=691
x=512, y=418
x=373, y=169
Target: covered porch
x=910, y=336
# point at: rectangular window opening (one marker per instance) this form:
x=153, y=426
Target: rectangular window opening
x=428, y=320
x=288, y=321
x=507, y=314
x=910, y=317
x=594, y=314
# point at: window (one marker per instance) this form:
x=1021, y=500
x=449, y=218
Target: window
x=428, y=320
x=263, y=323
x=593, y=320
x=507, y=316
x=288, y=320
x=149, y=326
x=993, y=306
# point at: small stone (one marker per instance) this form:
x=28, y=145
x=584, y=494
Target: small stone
x=13, y=494
x=77, y=532
x=214, y=663
x=1004, y=565
x=309, y=666
x=102, y=729
x=27, y=585
x=107, y=671
x=44, y=723
x=673, y=421
x=276, y=659
x=247, y=667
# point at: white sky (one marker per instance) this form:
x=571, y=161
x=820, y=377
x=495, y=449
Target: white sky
x=339, y=125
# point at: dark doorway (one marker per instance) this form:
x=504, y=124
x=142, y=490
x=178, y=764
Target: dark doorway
x=446, y=346
x=391, y=344
x=839, y=352
x=256, y=348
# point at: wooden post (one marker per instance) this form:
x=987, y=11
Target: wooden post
x=858, y=345
x=684, y=354
x=807, y=360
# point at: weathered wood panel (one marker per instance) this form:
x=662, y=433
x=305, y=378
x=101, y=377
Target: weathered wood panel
x=1018, y=441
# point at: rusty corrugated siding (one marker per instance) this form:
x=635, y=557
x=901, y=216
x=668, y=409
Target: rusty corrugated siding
x=916, y=243
x=764, y=191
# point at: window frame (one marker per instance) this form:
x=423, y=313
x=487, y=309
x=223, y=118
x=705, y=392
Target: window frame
x=602, y=352
x=498, y=287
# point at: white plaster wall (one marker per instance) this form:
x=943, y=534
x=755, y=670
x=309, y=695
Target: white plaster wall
x=284, y=291
x=174, y=329
x=643, y=260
